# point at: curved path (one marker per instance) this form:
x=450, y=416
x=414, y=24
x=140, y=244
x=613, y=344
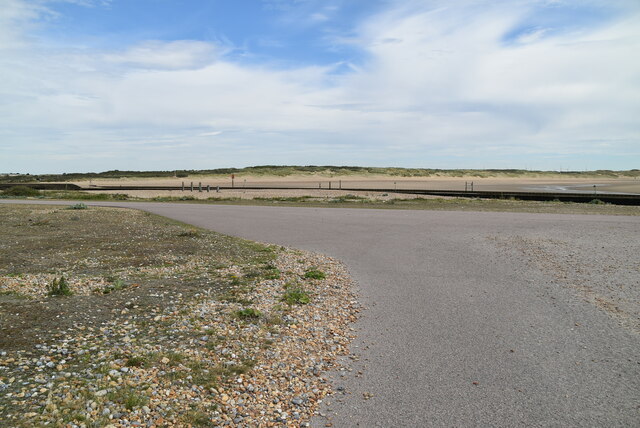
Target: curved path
x=458, y=331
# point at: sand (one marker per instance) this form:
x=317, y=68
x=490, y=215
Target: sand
x=532, y=184
x=268, y=193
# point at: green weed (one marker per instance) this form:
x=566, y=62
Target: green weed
x=59, y=287
x=296, y=296
x=116, y=285
x=314, y=274
x=129, y=397
x=136, y=361
x=79, y=206
x=248, y=314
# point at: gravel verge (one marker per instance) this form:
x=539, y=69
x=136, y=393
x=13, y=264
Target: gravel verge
x=253, y=354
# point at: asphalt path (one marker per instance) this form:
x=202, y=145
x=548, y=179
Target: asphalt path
x=457, y=331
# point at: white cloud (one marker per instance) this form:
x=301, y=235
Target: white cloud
x=430, y=87
x=173, y=55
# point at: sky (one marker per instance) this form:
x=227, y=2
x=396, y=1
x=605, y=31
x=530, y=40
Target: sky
x=96, y=85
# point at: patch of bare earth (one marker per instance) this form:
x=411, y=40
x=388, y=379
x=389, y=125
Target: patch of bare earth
x=168, y=325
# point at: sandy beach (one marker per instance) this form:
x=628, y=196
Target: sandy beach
x=350, y=183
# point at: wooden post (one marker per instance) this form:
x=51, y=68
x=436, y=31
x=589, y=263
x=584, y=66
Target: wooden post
x=200, y=187
x=183, y=186
x=217, y=189
x=192, y=186
x=208, y=188
x=329, y=185
x=465, y=186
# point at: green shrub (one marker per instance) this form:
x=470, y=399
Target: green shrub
x=271, y=272
x=79, y=206
x=136, y=361
x=84, y=196
x=296, y=296
x=129, y=397
x=597, y=202
x=116, y=284
x=248, y=313
x=59, y=287
x=314, y=274
x=21, y=191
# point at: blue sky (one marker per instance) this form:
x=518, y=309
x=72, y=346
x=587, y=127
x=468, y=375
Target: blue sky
x=285, y=32
x=91, y=85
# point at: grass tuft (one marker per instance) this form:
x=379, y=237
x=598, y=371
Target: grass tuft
x=136, y=361
x=59, y=287
x=295, y=296
x=248, y=314
x=314, y=274
x=129, y=397
x=79, y=206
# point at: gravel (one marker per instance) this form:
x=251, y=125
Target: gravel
x=192, y=362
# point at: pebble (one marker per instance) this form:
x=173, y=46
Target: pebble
x=283, y=387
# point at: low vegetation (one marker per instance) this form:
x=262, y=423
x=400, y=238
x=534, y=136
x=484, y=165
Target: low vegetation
x=448, y=204
x=59, y=287
x=327, y=170
x=20, y=191
x=314, y=274
x=161, y=323
x=248, y=314
x=79, y=206
x=295, y=294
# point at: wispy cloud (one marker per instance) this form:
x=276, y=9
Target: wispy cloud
x=438, y=86
x=175, y=55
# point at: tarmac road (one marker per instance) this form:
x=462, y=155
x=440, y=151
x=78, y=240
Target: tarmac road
x=458, y=331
